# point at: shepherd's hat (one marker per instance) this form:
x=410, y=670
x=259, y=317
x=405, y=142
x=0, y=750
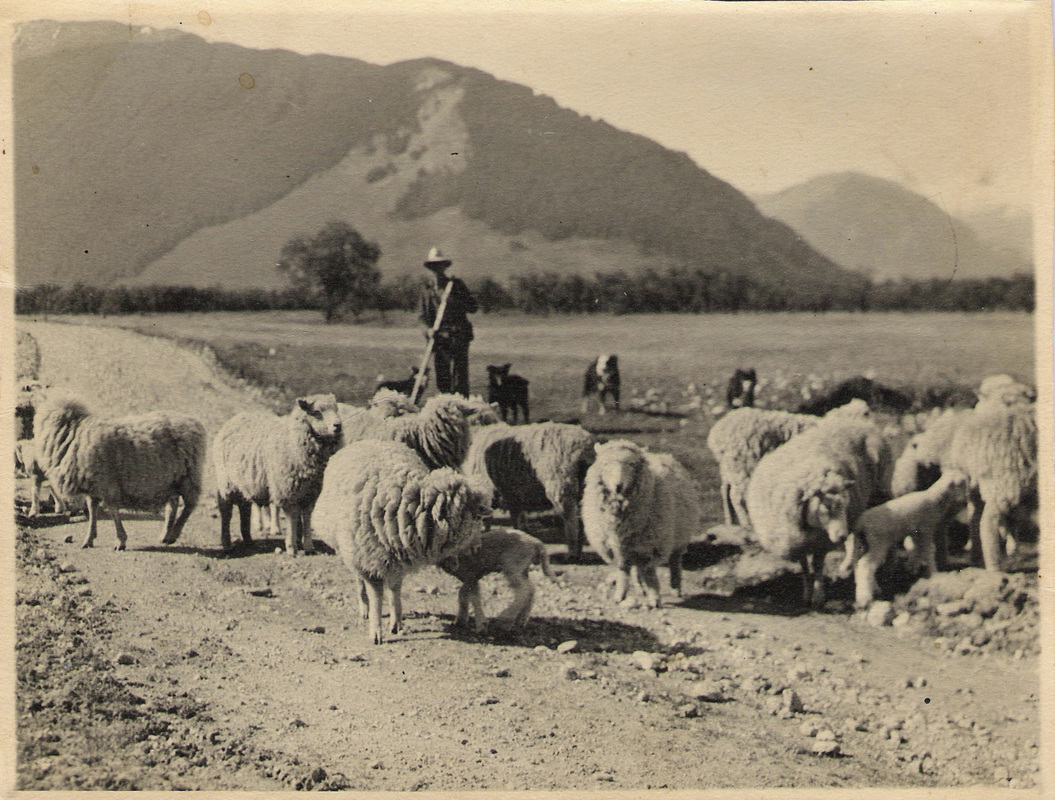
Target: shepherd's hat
x=436, y=260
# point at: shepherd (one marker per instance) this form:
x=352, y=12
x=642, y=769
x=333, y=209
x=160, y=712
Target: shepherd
x=445, y=305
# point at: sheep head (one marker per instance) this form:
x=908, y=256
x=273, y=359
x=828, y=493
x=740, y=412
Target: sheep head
x=827, y=508
x=620, y=470
x=319, y=412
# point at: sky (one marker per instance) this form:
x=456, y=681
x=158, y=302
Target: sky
x=937, y=96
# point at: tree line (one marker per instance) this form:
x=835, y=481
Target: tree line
x=676, y=290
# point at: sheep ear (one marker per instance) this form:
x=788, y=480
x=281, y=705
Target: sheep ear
x=304, y=403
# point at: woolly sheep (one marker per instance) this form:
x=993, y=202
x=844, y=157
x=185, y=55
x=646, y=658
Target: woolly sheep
x=806, y=495
x=920, y=515
x=262, y=458
x=740, y=439
x=439, y=433
x=27, y=463
x=639, y=508
x=919, y=464
x=996, y=447
x=504, y=550
x=534, y=467
x=141, y=462
x=1004, y=390
x=389, y=515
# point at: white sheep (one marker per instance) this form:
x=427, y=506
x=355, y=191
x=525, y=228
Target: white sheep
x=919, y=464
x=1004, y=390
x=27, y=463
x=265, y=459
x=389, y=515
x=996, y=447
x=639, y=508
x=142, y=462
x=534, y=467
x=504, y=550
x=921, y=515
x=740, y=439
x=439, y=433
x=806, y=495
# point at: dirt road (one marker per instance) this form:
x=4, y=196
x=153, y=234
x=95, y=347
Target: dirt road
x=175, y=667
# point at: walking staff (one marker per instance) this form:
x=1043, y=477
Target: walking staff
x=445, y=305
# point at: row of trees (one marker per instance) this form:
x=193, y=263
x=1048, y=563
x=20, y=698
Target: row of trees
x=336, y=272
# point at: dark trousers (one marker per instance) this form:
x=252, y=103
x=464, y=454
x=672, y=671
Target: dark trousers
x=451, y=357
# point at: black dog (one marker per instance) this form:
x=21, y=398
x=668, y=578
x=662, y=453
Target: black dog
x=403, y=387
x=601, y=379
x=741, y=391
x=509, y=391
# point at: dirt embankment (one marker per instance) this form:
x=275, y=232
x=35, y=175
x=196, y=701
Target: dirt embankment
x=174, y=667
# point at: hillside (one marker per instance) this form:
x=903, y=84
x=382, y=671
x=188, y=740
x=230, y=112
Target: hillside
x=880, y=228
x=155, y=157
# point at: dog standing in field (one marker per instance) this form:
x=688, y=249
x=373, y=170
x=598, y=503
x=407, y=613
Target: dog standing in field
x=741, y=390
x=403, y=387
x=504, y=550
x=601, y=379
x=510, y=392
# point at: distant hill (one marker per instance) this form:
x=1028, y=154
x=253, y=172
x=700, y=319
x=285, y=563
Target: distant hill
x=147, y=156
x=879, y=228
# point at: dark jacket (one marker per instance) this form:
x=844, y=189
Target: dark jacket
x=460, y=304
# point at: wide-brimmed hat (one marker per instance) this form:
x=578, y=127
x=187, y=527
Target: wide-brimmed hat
x=436, y=260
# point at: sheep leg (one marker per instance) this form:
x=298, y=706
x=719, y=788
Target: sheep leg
x=93, y=521
x=170, y=516
x=225, y=507
x=927, y=552
x=374, y=588
x=573, y=531
x=34, y=504
x=275, y=517
x=364, y=603
x=122, y=538
x=975, y=508
x=865, y=585
x=674, y=565
x=648, y=580
x=305, y=528
x=245, y=520
x=989, y=533
x=60, y=506
x=395, y=593
x=523, y=596
x=294, y=534
x=941, y=545
x=818, y=597
x=468, y=593
x=727, y=503
x=622, y=582
x=739, y=503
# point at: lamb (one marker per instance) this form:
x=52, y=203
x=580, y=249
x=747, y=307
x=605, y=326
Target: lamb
x=639, y=508
x=439, y=434
x=504, y=550
x=389, y=515
x=141, y=462
x=919, y=464
x=920, y=515
x=806, y=496
x=996, y=447
x=740, y=438
x=265, y=459
x=534, y=467
x=510, y=392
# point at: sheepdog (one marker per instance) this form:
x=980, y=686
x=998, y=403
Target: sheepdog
x=741, y=390
x=510, y=392
x=601, y=379
x=405, y=386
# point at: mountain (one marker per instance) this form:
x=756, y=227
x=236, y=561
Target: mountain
x=878, y=227
x=154, y=157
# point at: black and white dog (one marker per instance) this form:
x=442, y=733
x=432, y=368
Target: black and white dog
x=741, y=391
x=405, y=386
x=601, y=379
x=510, y=392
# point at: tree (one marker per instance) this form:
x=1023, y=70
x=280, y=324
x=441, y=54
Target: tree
x=337, y=266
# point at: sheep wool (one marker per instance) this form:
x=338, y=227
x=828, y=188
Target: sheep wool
x=262, y=458
x=639, y=508
x=534, y=467
x=389, y=515
x=806, y=495
x=919, y=464
x=439, y=434
x=143, y=462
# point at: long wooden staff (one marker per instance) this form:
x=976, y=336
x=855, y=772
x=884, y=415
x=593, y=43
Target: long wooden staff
x=423, y=370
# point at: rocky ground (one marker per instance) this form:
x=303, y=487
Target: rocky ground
x=179, y=668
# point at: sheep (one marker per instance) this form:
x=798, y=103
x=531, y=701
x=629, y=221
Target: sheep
x=639, y=508
x=504, y=550
x=534, y=467
x=389, y=515
x=919, y=464
x=740, y=438
x=439, y=433
x=805, y=496
x=262, y=458
x=1004, y=390
x=138, y=462
x=27, y=464
x=510, y=392
x=996, y=447
x=920, y=515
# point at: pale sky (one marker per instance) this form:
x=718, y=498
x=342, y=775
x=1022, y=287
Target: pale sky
x=934, y=95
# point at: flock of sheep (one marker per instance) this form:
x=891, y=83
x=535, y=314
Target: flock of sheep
x=395, y=487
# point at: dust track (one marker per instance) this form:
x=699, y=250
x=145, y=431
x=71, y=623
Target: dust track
x=254, y=672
